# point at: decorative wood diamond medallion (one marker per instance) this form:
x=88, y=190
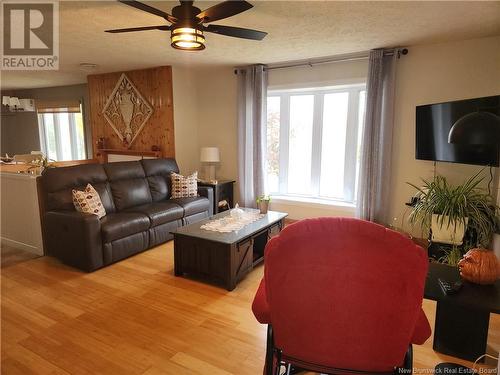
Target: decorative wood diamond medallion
x=126, y=110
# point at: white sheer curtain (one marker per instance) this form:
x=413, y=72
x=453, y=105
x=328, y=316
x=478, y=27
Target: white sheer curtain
x=252, y=103
x=375, y=168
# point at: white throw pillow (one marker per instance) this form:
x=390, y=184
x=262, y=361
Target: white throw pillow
x=88, y=201
x=184, y=186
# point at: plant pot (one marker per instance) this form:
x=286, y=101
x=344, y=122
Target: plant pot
x=264, y=207
x=451, y=234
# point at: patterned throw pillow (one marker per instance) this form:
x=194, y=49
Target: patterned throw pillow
x=88, y=201
x=184, y=186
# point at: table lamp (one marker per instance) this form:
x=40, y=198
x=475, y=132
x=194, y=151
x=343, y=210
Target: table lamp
x=210, y=156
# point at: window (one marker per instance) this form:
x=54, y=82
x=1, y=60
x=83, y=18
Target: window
x=313, y=142
x=62, y=134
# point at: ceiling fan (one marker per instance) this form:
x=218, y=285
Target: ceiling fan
x=187, y=23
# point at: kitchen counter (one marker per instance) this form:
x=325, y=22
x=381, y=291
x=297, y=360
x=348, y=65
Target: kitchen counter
x=20, y=225
x=22, y=167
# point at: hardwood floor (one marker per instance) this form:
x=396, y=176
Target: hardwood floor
x=10, y=256
x=136, y=317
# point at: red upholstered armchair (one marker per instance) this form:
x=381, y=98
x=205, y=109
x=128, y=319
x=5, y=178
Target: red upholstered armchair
x=342, y=296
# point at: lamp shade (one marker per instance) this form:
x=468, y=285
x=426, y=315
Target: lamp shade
x=14, y=101
x=476, y=128
x=210, y=155
x=188, y=38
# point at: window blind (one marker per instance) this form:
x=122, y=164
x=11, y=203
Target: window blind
x=58, y=106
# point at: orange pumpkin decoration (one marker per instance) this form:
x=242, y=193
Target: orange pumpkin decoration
x=480, y=266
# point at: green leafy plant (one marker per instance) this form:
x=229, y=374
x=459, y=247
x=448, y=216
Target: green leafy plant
x=452, y=256
x=41, y=163
x=466, y=204
x=263, y=198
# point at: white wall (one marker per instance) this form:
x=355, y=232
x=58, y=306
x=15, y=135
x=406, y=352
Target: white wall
x=319, y=75
x=205, y=115
x=298, y=210
x=428, y=74
x=186, y=119
x=217, y=122
x=433, y=74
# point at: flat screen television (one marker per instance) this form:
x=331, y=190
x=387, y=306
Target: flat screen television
x=433, y=123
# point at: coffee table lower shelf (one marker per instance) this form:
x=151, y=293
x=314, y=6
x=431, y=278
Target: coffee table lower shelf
x=223, y=263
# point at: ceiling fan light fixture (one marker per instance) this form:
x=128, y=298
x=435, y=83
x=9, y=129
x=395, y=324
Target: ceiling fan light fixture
x=187, y=23
x=188, y=39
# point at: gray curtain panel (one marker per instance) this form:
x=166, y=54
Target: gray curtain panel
x=375, y=167
x=252, y=115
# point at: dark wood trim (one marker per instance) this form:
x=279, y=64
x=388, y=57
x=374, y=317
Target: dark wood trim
x=223, y=190
x=103, y=153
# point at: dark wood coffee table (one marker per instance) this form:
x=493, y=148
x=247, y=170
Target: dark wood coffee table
x=223, y=257
x=462, y=320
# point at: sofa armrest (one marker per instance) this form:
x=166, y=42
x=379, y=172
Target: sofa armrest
x=207, y=192
x=74, y=238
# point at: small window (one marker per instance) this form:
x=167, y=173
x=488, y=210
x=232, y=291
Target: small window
x=313, y=141
x=62, y=135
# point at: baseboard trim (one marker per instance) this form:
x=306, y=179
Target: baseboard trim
x=21, y=245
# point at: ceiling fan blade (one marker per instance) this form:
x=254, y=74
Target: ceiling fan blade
x=237, y=32
x=149, y=9
x=131, y=29
x=224, y=10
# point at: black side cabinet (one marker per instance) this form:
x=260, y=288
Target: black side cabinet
x=223, y=192
x=462, y=319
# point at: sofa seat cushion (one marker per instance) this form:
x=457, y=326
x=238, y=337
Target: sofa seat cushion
x=192, y=205
x=160, y=212
x=119, y=225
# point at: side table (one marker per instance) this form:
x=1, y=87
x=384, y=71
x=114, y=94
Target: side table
x=223, y=191
x=462, y=320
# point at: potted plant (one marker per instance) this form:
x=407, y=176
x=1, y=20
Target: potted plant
x=451, y=210
x=452, y=255
x=38, y=165
x=263, y=203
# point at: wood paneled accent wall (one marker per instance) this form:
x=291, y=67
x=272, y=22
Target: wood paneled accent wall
x=155, y=85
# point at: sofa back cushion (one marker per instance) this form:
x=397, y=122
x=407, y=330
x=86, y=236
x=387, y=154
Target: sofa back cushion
x=128, y=183
x=158, y=176
x=58, y=183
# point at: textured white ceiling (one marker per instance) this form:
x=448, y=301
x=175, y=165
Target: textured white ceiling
x=297, y=30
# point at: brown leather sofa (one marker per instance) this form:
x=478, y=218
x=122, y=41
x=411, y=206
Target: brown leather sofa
x=139, y=211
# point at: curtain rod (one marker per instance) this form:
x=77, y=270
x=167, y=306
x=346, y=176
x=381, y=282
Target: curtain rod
x=331, y=60
x=311, y=63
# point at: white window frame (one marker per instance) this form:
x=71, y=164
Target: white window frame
x=350, y=168
x=57, y=131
